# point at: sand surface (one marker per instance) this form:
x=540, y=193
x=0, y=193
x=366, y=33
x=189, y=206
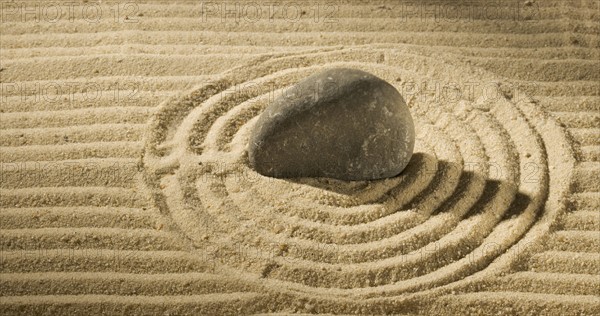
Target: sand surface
x=125, y=187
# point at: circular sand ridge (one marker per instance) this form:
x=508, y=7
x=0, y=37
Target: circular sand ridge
x=476, y=183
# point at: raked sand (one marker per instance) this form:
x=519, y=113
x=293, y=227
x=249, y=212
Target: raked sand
x=125, y=187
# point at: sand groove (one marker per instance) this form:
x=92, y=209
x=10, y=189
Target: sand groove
x=586, y=136
x=582, y=220
x=145, y=65
x=75, y=117
x=565, y=262
x=579, y=119
x=101, y=260
x=70, y=196
x=537, y=282
x=84, y=216
x=229, y=303
x=455, y=39
x=517, y=303
x=88, y=238
x=36, y=153
x=72, y=134
x=107, y=172
x=354, y=24
x=580, y=241
x=129, y=93
x=87, y=283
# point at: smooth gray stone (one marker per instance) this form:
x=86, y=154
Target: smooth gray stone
x=341, y=123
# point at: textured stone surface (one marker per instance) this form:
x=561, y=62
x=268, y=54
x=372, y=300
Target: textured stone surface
x=341, y=123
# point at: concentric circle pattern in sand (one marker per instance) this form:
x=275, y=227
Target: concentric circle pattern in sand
x=477, y=183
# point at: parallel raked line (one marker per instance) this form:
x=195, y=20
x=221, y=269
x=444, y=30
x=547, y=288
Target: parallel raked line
x=79, y=217
x=63, y=68
x=541, y=25
x=236, y=303
x=65, y=202
x=547, y=53
x=86, y=283
x=511, y=302
x=456, y=39
x=370, y=8
x=570, y=249
x=334, y=11
x=178, y=49
x=109, y=132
